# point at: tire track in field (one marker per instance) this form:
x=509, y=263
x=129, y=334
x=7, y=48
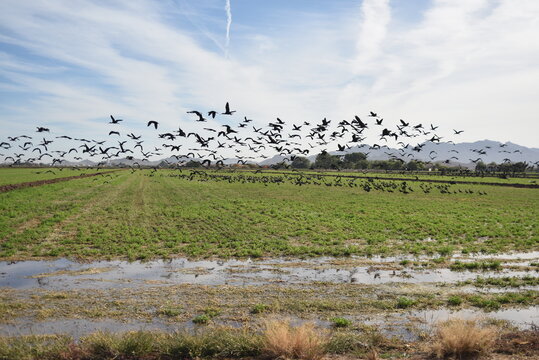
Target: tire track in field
x=51, y=237
x=38, y=220
x=10, y=187
x=60, y=232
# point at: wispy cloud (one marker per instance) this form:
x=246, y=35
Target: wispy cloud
x=228, y=23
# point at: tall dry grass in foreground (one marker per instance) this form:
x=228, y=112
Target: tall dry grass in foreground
x=282, y=340
x=462, y=339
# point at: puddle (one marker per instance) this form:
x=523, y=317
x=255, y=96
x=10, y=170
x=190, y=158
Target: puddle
x=63, y=274
x=80, y=327
x=523, y=318
x=409, y=326
x=406, y=326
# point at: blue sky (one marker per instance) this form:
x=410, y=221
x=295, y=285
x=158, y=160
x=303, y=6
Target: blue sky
x=462, y=64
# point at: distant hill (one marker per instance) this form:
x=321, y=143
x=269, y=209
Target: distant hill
x=487, y=150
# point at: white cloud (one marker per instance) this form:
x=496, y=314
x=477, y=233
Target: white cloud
x=466, y=64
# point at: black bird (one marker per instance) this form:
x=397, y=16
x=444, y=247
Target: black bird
x=181, y=132
x=154, y=123
x=114, y=133
x=212, y=114
x=458, y=132
x=42, y=129
x=373, y=114
x=114, y=121
x=199, y=114
x=133, y=136
x=229, y=129
x=227, y=110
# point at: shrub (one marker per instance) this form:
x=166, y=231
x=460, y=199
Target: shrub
x=282, y=340
x=462, y=339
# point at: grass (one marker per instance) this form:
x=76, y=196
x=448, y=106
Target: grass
x=454, y=300
x=462, y=339
x=404, y=303
x=138, y=216
x=282, y=340
x=475, y=265
x=278, y=339
x=259, y=308
x=340, y=322
x=505, y=281
x=235, y=303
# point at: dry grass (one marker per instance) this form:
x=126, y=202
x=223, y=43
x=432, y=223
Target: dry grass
x=463, y=339
x=372, y=355
x=282, y=340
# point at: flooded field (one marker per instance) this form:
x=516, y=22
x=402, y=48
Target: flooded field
x=402, y=296
x=64, y=274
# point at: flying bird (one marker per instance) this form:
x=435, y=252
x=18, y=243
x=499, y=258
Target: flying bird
x=114, y=121
x=227, y=110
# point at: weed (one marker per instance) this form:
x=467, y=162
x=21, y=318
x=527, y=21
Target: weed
x=486, y=265
x=340, y=322
x=259, y=308
x=454, y=300
x=170, y=311
x=404, y=302
x=201, y=319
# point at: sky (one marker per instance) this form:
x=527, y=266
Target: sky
x=471, y=65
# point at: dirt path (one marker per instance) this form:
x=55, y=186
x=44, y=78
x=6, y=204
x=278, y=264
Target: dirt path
x=10, y=187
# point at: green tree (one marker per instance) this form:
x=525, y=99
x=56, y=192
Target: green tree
x=301, y=162
x=415, y=165
x=193, y=164
x=351, y=160
x=324, y=160
x=480, y=166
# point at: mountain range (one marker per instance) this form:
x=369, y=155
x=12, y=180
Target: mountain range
x=486, y=150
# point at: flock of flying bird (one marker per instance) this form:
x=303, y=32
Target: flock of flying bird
x=244, y=142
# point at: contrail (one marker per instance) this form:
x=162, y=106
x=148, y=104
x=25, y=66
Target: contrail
x=228, y=23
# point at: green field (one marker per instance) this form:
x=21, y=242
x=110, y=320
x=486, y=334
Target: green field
x=145, y=215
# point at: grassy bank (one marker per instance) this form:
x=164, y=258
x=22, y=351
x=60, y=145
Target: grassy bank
x=280, y=339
